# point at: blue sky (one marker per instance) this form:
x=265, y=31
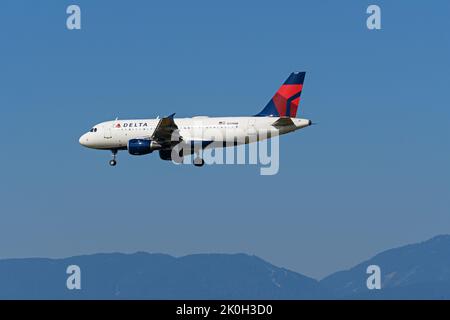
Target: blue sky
x=372, y=175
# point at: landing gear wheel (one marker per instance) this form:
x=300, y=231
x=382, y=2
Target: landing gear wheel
x=113, y=162
x=199, y=162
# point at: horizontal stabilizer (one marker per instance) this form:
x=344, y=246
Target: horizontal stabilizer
x=283, y=123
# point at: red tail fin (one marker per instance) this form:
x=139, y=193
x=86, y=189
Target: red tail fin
x=286, y=100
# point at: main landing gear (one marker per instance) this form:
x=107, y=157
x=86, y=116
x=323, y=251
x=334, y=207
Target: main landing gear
x=113, y=162
x=199, y=162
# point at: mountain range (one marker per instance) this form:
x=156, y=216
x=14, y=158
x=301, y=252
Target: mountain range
x=416, y=271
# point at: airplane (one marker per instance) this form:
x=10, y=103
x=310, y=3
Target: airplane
x=172, y=137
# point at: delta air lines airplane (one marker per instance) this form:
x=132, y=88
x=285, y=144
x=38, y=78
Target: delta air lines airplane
x=176, y=138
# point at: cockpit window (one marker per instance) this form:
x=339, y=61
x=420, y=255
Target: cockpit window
x=93, y=130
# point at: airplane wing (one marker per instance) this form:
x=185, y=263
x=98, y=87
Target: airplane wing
x=166, y=132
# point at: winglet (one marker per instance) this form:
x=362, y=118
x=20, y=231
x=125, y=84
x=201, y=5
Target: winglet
x=171, y=116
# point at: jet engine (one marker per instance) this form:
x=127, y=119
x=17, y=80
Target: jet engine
x=139, y=147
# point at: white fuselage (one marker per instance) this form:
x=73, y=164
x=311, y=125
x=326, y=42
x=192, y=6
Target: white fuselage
x=114, y=135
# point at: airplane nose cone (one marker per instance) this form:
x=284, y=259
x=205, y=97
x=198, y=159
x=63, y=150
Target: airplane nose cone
x=83, y=140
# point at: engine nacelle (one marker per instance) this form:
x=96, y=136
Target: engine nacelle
x=139, y=147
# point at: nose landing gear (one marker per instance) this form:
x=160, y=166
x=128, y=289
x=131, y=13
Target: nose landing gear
x=113, y=162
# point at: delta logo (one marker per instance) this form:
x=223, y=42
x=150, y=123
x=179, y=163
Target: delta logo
x=131, y=125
